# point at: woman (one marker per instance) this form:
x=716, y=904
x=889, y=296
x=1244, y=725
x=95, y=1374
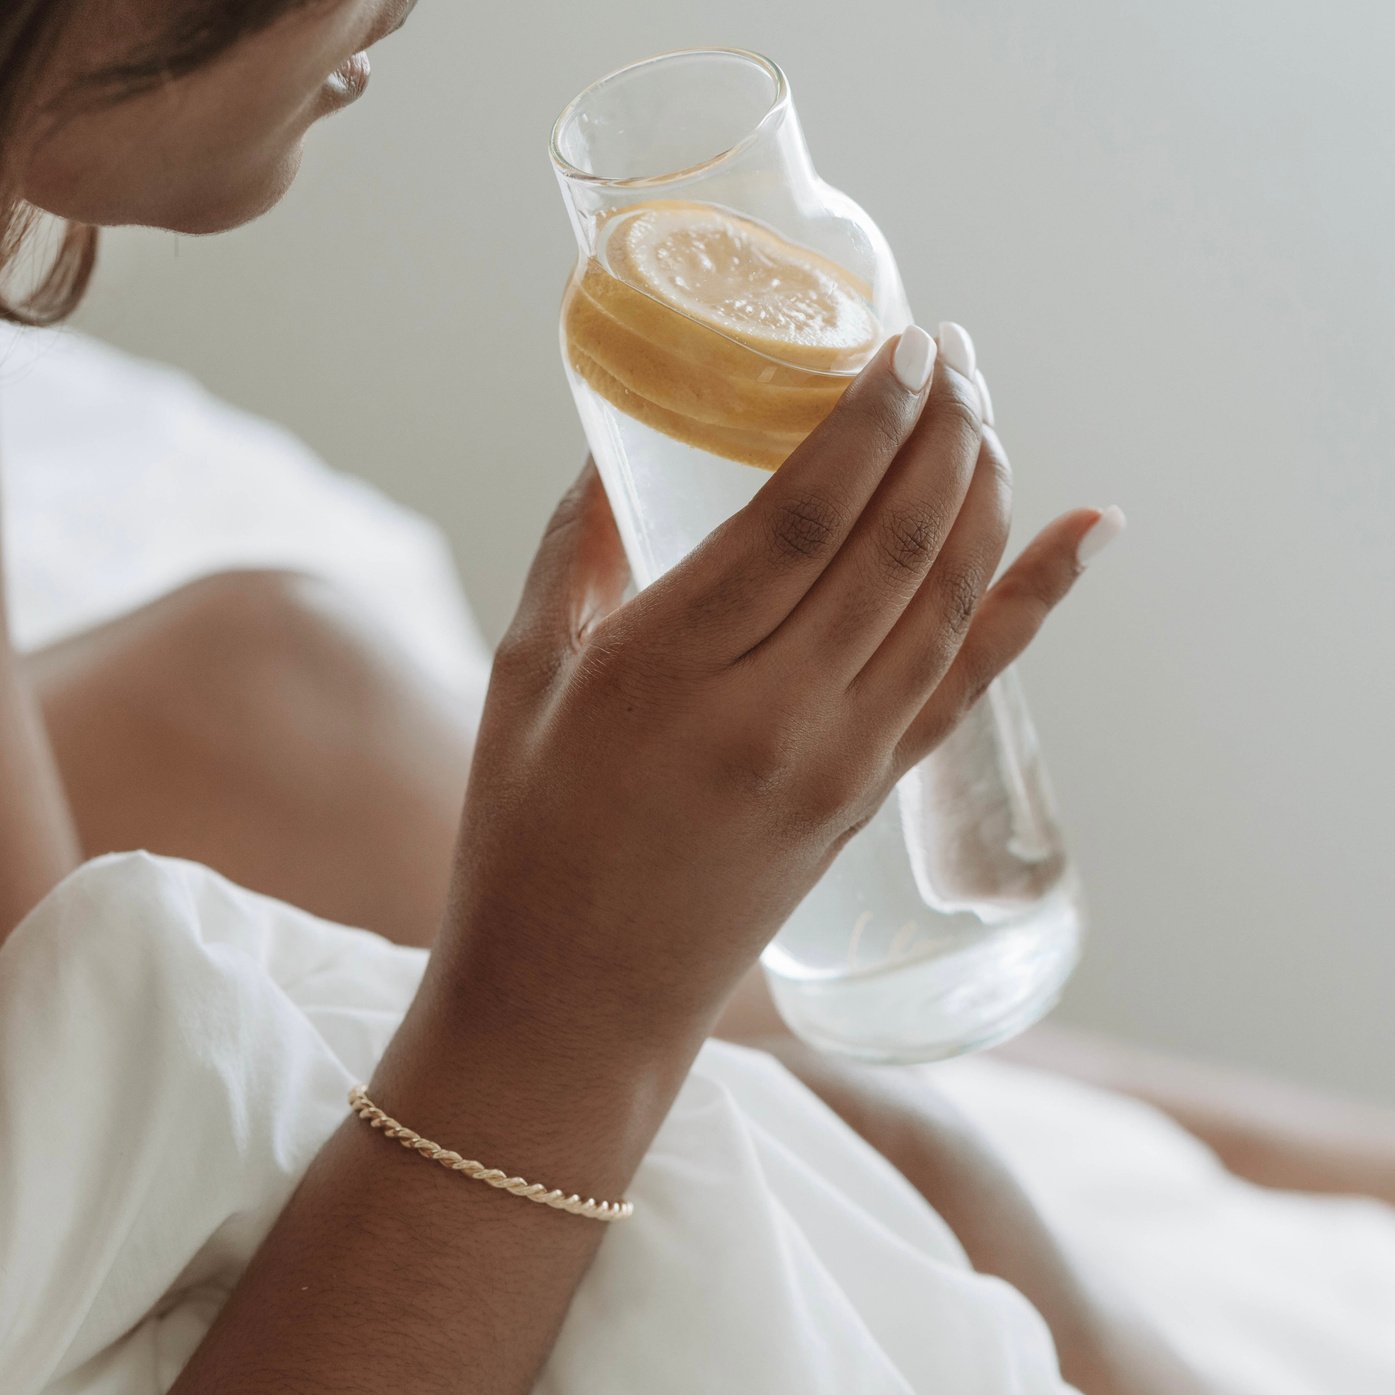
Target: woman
x=647, y=801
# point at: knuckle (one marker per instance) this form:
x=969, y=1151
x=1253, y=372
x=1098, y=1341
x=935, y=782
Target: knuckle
x=879, y=421
x=831, y=792
x=979, y=682
x=700, y=597
x=1001, y=467
x=959, y=592
x=853, y=827
x=794, y=795
x=925, y=669
x=761, y=761
x=1033, y=594
x=805, y=527
x=943, y=718
x=957, y=407
x=950, y=724
x=867, y=804
x=712, y=609
x=976, y=681
x=909, y=539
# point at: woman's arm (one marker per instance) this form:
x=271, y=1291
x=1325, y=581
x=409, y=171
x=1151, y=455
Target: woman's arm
x=386, y=1272
x=38, y=839
x=650, y=799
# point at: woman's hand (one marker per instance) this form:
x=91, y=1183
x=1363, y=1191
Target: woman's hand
x=657, y=785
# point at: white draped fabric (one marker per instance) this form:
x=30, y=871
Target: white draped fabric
x=173, y=1049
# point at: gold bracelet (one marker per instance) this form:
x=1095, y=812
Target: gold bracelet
x=529, y=1191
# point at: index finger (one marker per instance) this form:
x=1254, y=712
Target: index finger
x=758, y=565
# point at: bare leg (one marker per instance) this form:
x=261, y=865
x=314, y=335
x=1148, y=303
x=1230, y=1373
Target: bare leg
x=255, y=722
x=1266, y=1131
x=1269, y=1131
x=1105, y=1346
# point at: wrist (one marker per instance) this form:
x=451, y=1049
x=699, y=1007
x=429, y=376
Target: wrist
x=507, y=1085
x=521, y=967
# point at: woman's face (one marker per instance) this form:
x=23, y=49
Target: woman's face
x=206, y=151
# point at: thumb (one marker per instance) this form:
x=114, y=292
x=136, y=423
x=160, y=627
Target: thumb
x=580, y=572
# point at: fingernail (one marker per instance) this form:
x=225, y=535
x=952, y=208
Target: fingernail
x=985, y=397
x=1110, y=525
x=957, y=348
x=914, y=359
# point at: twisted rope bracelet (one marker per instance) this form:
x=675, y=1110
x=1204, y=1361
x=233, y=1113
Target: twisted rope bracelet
x=530, y=1191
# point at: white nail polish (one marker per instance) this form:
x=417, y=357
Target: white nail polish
x=1110, y=525
x=957, y=348
x=914, y=359
x=985, y=397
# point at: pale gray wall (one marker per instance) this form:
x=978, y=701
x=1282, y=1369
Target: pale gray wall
x=1169, y=226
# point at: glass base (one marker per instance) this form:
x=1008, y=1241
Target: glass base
x=942, y=1006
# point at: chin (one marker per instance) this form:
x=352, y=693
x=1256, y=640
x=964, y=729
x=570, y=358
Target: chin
x=221, y=208
x=204, y=202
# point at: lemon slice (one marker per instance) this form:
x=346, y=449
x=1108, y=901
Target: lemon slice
x=743, y=280
x=715, y=330
x=766, y=449
x=710, y=380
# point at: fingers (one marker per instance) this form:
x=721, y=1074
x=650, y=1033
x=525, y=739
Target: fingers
x=942, y=487
x=1007, y=621
x=916, y=654
x=758, y=565
x=579, y=574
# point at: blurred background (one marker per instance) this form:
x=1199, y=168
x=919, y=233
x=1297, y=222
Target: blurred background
x=1168, y=227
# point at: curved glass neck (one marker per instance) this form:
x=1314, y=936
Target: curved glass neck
x=710, y=125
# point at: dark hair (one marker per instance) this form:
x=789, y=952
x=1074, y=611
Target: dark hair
x=197, y=32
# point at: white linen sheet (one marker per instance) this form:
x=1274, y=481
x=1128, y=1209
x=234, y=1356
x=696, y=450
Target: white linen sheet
x=123, y=479
x=174, y=1050
x=1268, y=1292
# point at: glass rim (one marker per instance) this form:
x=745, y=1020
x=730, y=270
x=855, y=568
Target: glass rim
x=772, y=113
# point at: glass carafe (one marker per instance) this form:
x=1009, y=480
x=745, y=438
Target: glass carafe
x=953, y=919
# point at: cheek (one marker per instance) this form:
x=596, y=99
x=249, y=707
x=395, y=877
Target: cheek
x=202, y=157
x=210, y=150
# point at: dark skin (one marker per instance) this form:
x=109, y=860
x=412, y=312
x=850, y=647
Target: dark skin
x=571, y=1082
x=574, y=1051
x=622, y=746
x=1104, y=1344
x=571, y=1085
x=38, y=838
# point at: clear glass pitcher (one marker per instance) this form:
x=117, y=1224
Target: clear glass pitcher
x=722, y=299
